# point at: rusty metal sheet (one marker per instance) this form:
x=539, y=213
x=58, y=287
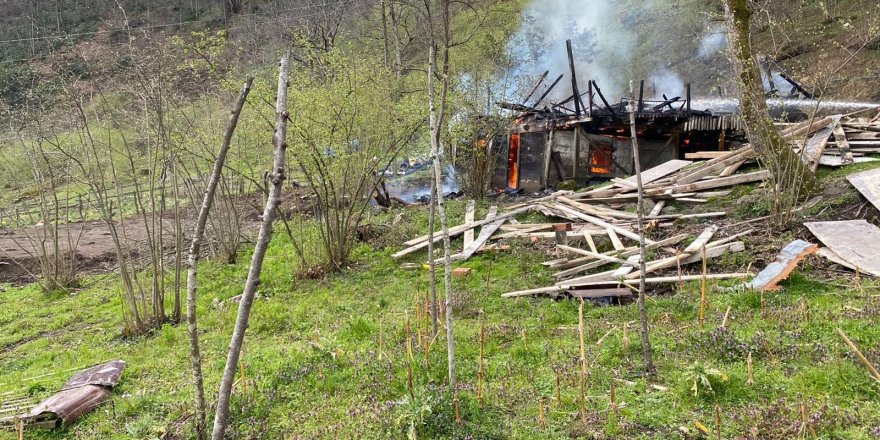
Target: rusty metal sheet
x=779, y=269
x=69, y=405
x=868, y=183
x=80, y=394
x=855, y=241
x=105, y=374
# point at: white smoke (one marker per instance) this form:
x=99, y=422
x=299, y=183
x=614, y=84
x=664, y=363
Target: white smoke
x=597, y=39
x=714, y=40
x=664, y=81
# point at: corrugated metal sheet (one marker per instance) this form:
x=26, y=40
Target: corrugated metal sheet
x=105, y=374
x=69, y=405
x=80, y=394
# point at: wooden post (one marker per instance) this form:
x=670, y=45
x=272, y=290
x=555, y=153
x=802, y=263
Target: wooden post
x=574, y=85
x=548, y=151
x=561, y=235
x=641, y=97
x=577, y=152
x=859, y=354
x=590, y=98
x=688, y=99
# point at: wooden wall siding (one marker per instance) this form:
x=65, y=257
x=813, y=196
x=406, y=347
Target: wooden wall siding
x=531, y=160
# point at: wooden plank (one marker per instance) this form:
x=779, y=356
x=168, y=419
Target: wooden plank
x=855, y=241
x=590, y=242
x=468, y=219
x=658, y=207
x=485, y=232
x=624, y=270
x=842, y=145
x=658, y=280
x=691, y=249
x=617, y=292
x=579, y=265
x=599, y=222
x=604, y=257
x=839, y=161
x=718, y=183
x=782, y=266
x=598, y=211
x=868, y=183
x=422, y=242
x=815, y=146
x=805, y=128
x=716, y=165
x=615, y=240
x=652, y=174
x=706, y=154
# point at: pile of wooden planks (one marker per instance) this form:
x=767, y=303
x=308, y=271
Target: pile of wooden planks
x=835, y=140
x=831, y=141
x=596, y=238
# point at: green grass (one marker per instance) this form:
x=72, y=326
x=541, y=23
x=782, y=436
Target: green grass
x=316, y=369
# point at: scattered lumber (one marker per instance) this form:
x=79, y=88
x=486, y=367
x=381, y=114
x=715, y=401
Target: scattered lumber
x=781, y=267
x=853, y=241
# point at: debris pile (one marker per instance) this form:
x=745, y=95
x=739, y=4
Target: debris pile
x=595, y=215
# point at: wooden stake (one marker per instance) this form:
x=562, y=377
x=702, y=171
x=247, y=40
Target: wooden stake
x=457, y=414
x=718, y=421
x=419, y=323
x=678, y=263
x=241, y=367
x=583, y=360
x=612, y=398
x=751, y=380
x=859, y=354
x=806, y=426
x=703, y=291
x=558, y=389
x=724, y=321
x=381, y=341
x=480, y=372
x=488, y=275
x=541, y=421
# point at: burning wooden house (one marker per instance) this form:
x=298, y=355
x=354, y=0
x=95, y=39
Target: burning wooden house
x=585, y=138
x=588, y=139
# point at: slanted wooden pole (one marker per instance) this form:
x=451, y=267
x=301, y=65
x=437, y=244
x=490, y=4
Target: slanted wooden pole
x=195, y=250
x=574, y=84
x=277, y=177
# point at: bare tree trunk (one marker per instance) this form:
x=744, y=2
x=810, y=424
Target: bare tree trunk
x=276, y=177
x=435, y=120
x=789, y=174
x=432, y=263
x=192, y=262
x=643, y=311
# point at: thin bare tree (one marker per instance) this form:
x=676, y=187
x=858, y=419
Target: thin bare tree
x=643, y=310
x=276, y=177
x=437, y=110
x=192, y=262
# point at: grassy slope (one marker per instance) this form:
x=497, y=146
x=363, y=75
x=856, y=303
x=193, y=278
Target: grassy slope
x=314, y=368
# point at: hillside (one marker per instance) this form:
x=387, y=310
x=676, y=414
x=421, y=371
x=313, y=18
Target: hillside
x=340, y=341
x=124, y=121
